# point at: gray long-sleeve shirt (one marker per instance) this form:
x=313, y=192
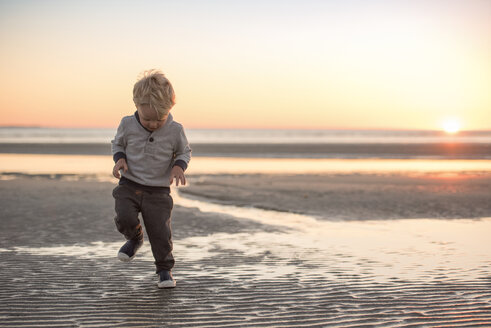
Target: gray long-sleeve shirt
x=151, y=155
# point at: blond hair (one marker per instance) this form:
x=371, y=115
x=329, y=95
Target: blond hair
x=154, y=89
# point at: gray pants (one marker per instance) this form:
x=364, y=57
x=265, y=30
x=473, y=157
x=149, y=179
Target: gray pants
x=155, y=207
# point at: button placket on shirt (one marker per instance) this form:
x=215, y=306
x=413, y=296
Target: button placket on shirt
x=150, y=147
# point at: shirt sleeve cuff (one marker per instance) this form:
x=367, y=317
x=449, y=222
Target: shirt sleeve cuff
x=182, y=164
x=118, y=156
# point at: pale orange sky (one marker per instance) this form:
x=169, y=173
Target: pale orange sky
x=250, y=64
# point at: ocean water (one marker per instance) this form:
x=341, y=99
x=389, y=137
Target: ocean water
x=313, y=144
x=250, y=136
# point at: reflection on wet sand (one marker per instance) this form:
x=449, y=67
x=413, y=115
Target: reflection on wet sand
x=236, y=265
x=102, y=165
x=411, y=249
x=406, y=249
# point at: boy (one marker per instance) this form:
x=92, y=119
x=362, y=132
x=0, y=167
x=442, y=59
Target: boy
x=152, y=150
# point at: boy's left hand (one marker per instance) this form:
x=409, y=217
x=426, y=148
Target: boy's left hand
x=178, y=174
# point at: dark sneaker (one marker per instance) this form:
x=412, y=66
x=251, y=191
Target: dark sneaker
x=128, y=251
x=166, y=280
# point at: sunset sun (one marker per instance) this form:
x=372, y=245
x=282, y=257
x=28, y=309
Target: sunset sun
x=451, y=126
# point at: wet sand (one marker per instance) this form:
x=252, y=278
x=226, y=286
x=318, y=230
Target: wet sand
x=356, y=196
x=239, y=266
x=276, y=150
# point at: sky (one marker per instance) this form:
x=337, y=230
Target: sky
x=352, y=64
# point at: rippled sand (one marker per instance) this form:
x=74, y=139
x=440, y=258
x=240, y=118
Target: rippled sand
x=354, y=196
x=236, y=266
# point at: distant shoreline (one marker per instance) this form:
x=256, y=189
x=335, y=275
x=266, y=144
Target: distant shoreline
x=274, y=150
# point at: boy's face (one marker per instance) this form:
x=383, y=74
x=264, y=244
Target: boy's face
x=149, y=118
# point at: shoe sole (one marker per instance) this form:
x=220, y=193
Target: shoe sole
x=166, y=284
x=125, y=258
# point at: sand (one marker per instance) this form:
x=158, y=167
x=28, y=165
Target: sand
x=280, y=150
x=354, y=196
x=239, y=266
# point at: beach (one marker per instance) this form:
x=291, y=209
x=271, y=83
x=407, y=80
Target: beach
x=276, y=229
x=337, y=156
x=278, y=150
x=355, y=196
x=254, y=250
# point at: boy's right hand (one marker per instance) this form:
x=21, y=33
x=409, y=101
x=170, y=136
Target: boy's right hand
x=120, y=164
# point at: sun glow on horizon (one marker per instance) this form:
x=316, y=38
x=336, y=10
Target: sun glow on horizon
x=451, y=125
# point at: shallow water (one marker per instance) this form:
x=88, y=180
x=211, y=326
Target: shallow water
x=307, y=272
x=101, y=166
x=380, y=251
x=404, y=249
